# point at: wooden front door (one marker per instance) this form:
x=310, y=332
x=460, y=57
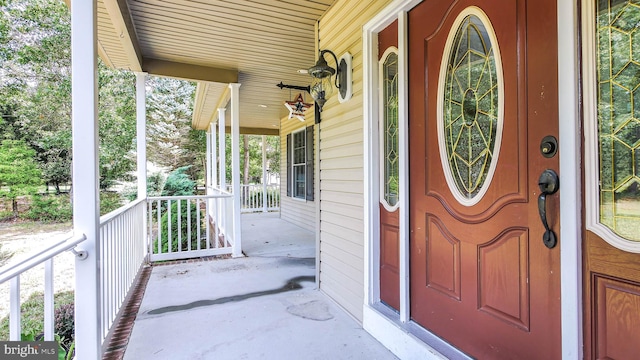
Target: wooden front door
x=612, y=179
x=482, y=96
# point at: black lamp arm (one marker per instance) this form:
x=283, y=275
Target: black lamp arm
x=295, y=87
x=337, y=65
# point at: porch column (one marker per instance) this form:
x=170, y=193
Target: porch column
x=223, y=149
x=86, y=198
x=141, y=149
x=141, y=133
x=265, y=205
x=208, y=168
x=235, y=167
x=214, y=156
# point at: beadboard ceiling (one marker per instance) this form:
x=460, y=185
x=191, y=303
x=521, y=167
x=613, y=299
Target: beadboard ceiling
x=257, y=43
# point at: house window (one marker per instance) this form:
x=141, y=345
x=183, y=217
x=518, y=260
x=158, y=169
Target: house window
x=300, y=164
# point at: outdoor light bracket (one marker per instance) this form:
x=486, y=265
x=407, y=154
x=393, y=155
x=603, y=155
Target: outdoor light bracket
x=345, y=75
x=294, y=87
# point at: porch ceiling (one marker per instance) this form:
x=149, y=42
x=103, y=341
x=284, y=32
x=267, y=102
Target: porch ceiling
x=257, y=43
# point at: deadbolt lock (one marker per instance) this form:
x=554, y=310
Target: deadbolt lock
x=549, y=146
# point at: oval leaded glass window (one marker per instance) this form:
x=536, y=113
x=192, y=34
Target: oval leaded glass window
x=470, y=106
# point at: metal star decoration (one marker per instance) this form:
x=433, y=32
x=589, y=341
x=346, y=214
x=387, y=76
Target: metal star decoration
x=297, y=107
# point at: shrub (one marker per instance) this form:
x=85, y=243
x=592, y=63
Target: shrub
x=49, y=208
x=64, y=324
x=32, y=311
x=155, y=183
x=109, y=201
x=6, y=215
x=178, y=183
x=184, y=224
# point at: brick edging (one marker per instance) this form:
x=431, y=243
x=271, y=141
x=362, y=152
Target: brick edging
x=119, y=340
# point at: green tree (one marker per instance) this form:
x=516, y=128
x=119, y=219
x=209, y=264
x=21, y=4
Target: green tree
x=179, y=183
x=35, y=57
x=117, y=130
x=173, y=143
x=252, y=174
x=19, y=174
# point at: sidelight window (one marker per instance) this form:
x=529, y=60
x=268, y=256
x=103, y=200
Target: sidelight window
x=389, y=127
x=618, y=116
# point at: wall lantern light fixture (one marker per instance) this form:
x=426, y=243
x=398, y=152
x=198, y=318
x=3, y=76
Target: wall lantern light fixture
x=321, y=87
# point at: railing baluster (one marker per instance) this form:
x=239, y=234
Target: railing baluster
x=169, y=249
x=198, y=222
x=48, y=300
x=159, y=210
x=14, y=310
x=188, y=225
x=206, y=223
x=149, y=243
x=113, y=273
x=179, y=226
x=104, y=276
x=216, y=238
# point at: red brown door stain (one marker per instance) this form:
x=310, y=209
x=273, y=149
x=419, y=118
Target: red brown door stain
x=389, y=220
x=481, y=277
x=612, y=301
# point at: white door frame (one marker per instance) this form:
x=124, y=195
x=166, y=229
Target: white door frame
x=396, y=331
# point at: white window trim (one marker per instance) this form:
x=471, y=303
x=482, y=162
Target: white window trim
x=381, y=130
x=293, y=165
x=591, y=160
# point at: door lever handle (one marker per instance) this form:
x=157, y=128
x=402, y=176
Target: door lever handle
x=549, y=183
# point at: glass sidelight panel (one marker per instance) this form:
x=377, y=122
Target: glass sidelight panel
x=618, y=76
x=390, y=128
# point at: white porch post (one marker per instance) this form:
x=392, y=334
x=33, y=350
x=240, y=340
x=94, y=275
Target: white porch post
x=214, y=156
x=265, y=205
x=235, y=167
x=223, y=149
x=208, y=169
x=141, y=148
x=141, y=133
x=86, y=199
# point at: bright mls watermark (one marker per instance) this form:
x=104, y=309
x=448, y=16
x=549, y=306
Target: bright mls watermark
x=30, y=350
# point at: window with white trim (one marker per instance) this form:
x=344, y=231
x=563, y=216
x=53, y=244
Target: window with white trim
x=300, y=164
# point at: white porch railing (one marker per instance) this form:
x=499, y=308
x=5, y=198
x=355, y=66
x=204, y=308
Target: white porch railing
x=253, y=200
x=13, y=272
x=122, y=254
x=251, y=197
x=204, y=228
x=182, y=227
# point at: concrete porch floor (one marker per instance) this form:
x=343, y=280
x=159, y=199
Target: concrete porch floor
x=263, y=306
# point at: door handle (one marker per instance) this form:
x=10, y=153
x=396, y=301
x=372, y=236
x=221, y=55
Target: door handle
x=549, y=183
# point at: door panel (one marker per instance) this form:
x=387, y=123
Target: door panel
x=612, y=301
x=612, y=180
x=389, y=220
x=481, y=277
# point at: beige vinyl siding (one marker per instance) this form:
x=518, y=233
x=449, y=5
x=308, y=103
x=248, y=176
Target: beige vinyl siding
x=297, y=211
x=341, y=162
